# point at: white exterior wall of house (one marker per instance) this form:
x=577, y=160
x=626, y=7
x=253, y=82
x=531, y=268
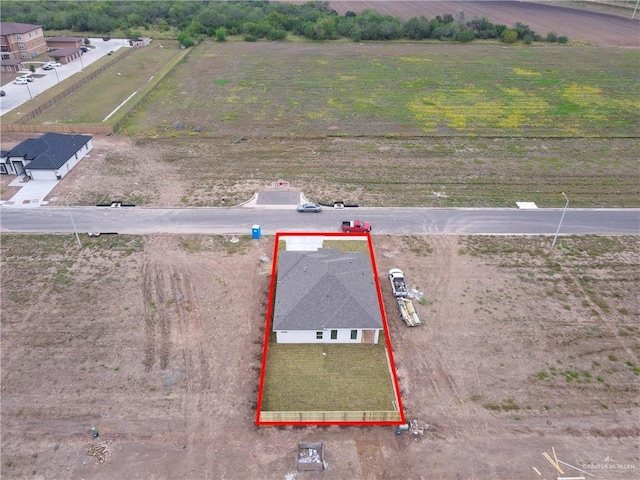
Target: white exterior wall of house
x=64, y=169
x=12, y=168
x=310, y=336
x=41, y=174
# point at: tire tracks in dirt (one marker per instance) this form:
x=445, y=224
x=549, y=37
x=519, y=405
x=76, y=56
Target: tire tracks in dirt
x=452, y=380
x=175, y=332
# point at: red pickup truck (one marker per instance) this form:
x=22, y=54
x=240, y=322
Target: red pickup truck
x=356, y=226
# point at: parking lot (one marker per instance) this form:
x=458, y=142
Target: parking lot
x=16, y=95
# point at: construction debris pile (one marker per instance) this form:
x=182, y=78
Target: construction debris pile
x=309, y=455
x=415, y=428
x=102, y=451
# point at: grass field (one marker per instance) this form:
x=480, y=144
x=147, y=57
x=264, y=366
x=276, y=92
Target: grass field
x=399, y=89
x=98, y=99
x=327, y=378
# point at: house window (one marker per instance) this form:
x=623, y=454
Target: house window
x=18, y=37
x=318, y=335
x=354, y=334
x=24, y=55
x=3, y=169
x=334, y=334
x=21, y=46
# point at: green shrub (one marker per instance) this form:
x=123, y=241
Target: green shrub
x=221, y=34
x=509, y=36
x=465, y=36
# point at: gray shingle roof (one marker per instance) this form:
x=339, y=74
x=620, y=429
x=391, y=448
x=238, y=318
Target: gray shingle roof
x=50, y=151
x=11, y=28
x=325, y=289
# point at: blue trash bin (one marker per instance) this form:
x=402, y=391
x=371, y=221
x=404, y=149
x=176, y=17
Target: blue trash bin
x=255, y=232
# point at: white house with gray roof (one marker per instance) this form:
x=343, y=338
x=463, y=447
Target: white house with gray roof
x=49, y=157
x=326, y=296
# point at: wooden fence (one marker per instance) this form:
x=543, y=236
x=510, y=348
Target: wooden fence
x=57, y=128
x=72, y=88
x=21, y=125
x=346, y=416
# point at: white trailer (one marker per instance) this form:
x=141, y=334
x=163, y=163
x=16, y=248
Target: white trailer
x=408, y=312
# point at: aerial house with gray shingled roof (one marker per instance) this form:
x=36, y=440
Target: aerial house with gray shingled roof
x=49, y=157
x=326, y=296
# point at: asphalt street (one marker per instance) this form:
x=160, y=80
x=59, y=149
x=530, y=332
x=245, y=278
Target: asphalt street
x=240, y=220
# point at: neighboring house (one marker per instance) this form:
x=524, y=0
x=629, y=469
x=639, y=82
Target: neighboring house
x=64, y=42
x=49, y=157
x=21, y=41
x=12, y=65
x=65, y=55
x=326, y=296
x=139, y=42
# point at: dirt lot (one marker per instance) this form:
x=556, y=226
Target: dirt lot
x=156, y=341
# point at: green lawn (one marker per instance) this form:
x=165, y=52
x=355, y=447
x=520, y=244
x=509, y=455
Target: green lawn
x=95, y=100
x=327, y=378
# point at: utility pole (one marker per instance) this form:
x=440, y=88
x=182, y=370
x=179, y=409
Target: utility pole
x=564, y=210
x=75, y=230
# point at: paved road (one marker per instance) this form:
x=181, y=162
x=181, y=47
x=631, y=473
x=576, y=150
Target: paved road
x=239, y=221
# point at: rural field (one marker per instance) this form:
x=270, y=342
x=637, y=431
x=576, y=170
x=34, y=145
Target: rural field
x=156, y=340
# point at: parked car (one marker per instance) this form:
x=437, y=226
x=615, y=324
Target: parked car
x=2, y=93
x=84, y=49
x=47, y=67
x=53, y=64
x=310, y=207
x=21, y=81
x=26, y=77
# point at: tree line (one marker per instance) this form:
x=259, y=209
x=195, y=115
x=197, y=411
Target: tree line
x=254, y=20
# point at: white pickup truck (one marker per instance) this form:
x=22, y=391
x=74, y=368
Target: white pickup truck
x=396, y=278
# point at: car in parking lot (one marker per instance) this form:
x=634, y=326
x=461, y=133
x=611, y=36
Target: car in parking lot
x=310, y=207
x=2, y=93
x=26, y=77
x=52, y=65
x=84, y=49
x=47, y=67
x=21, y=81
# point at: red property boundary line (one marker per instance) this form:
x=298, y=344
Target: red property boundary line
x=384, y=322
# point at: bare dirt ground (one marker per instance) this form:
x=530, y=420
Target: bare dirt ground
x=156, y=341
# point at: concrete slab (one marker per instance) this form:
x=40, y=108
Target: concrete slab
x=526, y=205
x=32, y=193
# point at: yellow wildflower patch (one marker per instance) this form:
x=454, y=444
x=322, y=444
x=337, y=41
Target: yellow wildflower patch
x=584, y=95
x=525, y=72
x=415, y=59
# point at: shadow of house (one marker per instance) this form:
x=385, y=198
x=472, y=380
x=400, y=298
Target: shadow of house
x=326, y=296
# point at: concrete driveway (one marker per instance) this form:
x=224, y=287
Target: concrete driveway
x=45, y=79
x=32, y=193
